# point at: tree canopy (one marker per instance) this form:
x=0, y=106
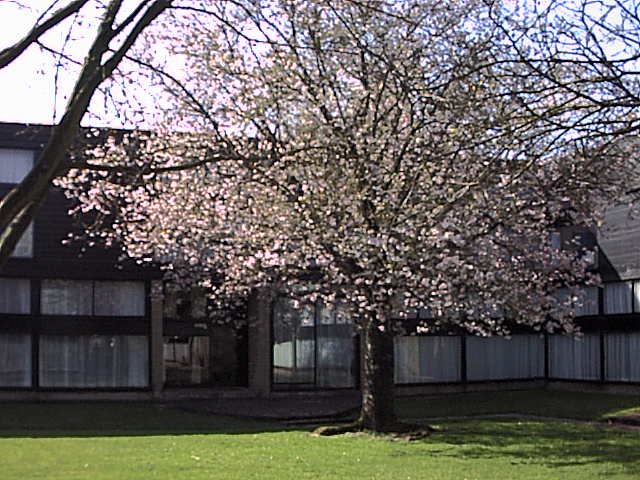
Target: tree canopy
x=389, y=155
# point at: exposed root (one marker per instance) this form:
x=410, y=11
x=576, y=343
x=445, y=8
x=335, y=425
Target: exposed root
x=396, y=430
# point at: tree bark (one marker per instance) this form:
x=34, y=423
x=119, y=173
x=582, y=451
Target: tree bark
x=378, y=388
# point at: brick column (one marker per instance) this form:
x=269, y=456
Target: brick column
x=259, y=331
x=157, y=344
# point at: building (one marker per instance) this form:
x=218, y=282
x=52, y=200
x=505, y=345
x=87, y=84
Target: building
x=79, y=323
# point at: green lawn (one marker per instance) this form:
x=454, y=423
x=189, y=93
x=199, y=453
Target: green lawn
x=141, y=441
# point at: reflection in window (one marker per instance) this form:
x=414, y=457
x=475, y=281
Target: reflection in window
x=187, y=360
x=293, y=343
x=24, y=247
x=313, y=345
x=15, y=164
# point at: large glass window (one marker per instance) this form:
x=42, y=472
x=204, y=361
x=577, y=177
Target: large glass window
x=587, y=303
x=335, y=353
x=618, y=297
x=427, y=359
x=15, y=295
x=574, y=358
x=15, y=360
x=94, y=361
x=312, y=345
x=66, y=297
x=187, y=360
x=15, y=164
x=119, y=298
x=623, y=356
x=584, y=303
x=293, y=343
x=85, y=297
x=496, y=358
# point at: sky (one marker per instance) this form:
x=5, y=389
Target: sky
x=32, y=88
x=27, y=90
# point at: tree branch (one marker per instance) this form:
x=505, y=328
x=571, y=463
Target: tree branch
x=9, y=54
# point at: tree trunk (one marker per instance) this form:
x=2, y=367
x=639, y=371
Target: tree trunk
x=378, y=387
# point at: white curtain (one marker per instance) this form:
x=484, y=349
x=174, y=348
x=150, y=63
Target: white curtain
x=574, y=358
x=94, y=361
x=119, y=298
x=623, y=356
x=496, y=358
x=14, y=164
x=15, y=360
x=617, y=297
x=15, y=295
x=66, y=297
x=425, y=359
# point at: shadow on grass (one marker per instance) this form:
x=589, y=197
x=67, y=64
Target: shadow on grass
x=554, y=444
x=576, y=405
x=54, y=420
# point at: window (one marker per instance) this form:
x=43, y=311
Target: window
x=313, y=345
x=15, y=164
x=574, y=358
x=86, y=297
x=24, y=247
x=426, y=359
x=623, y=356
x=15, y=295
x=119, y=298
x=587, y=303
x=94, y=361
x=66, y=297
x=618, y=297
x=187, y=360
x=15, y=360
x=496, y=358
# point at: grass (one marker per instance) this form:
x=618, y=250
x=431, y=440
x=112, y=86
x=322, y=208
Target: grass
x=573, y=405
x=144, y=441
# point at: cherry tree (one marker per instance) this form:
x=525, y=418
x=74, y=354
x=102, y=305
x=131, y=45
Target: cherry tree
x=378, y=154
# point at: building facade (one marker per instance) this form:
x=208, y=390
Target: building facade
x=77, y=321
